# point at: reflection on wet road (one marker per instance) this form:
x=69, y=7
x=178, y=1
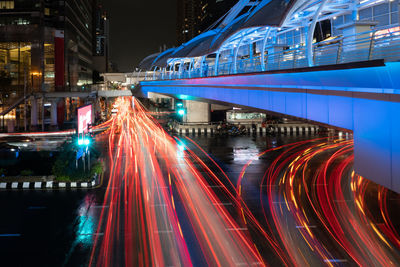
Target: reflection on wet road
x=142, y=226
x=171, y=203
x=316, y=210
x=207, y=201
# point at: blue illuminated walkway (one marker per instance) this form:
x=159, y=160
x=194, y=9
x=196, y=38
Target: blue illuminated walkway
x=363, y=97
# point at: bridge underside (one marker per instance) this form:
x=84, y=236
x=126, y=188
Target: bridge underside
x=364, y=99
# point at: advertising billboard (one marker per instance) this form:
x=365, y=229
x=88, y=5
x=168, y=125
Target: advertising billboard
x=84, y=119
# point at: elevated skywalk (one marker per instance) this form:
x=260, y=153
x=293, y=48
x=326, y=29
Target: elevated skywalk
x=363, y=97
x=335, y=62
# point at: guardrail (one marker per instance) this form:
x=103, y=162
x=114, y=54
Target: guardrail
x=365, y=46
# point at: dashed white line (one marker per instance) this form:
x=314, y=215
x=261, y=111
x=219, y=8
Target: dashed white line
x=223, y=204
x=237, y=229
x=304, y=226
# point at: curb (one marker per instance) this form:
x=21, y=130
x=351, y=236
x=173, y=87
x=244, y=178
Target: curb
x=290, y=129
x=49, y=185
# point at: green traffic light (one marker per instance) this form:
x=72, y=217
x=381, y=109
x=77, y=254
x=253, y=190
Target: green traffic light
x=83, y=141
x=181, y=112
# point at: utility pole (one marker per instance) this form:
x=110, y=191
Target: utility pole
x=43, y=113
x=89, y=160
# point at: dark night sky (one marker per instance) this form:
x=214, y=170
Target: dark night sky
x=138, y=28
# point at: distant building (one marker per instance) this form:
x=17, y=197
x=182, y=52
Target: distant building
x=100, y=40
x=196, y=16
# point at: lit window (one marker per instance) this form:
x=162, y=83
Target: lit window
x=6, y=4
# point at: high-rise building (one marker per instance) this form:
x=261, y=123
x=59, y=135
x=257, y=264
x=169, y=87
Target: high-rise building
x=100, y=39
x=78, y=34
x=196, y=16
x=46, y=42
x=45, y=46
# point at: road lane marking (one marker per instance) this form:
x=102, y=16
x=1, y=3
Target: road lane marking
x=158, y=205
x=223, y=204
x=335, y=260
x=247, y=264
x=237, y=229
x=10, y=235
x=304, y=226
x=36, y=208
x=279, y=202
x=163, y=232
x=344, y=200
x=94, y=234
x=269, y=185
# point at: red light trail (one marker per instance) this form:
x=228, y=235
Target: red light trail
x=149, y=172
x=318, y=207
x=160, y=208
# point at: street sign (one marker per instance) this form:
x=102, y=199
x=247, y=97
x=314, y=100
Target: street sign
x=84, y=119
x=79, y=153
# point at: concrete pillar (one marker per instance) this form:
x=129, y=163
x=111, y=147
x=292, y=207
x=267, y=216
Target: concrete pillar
x=197, y=112
x=54, y=113
x=34, y=113
x=10, y=126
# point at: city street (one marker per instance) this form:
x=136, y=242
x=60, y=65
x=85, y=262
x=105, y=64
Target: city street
x=169, y=203
x=199, y=133
x=201, y=200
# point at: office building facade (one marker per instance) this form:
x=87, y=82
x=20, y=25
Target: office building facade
x=47, y=44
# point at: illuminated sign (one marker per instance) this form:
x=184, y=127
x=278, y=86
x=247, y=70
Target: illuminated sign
x=84, y=119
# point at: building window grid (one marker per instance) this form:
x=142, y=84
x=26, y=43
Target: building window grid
x=6, y=4
x=292, y=39
x=385, y=14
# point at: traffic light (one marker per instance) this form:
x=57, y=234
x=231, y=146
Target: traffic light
x=180, y=109
x=84, y=141
x=178, y=103
x=181, y=112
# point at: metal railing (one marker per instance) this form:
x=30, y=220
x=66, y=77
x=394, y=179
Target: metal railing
x=377, y=44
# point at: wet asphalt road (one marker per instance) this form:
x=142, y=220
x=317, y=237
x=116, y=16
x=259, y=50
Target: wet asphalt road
x=57, y=228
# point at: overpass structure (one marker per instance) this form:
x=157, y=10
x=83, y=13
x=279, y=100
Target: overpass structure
x=54, y=98
x=330, y=61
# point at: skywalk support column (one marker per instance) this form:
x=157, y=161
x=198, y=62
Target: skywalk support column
x=197, y=112
x=34, y=114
